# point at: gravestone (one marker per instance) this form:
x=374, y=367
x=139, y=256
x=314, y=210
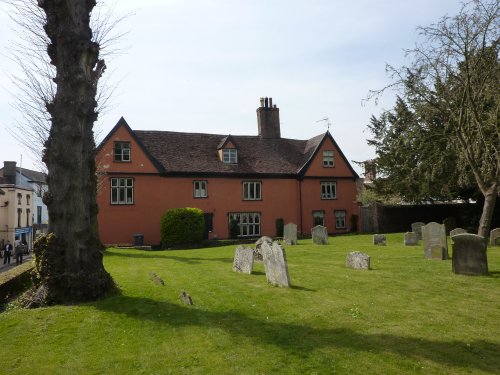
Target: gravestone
x=155, y=278
x=379, y=239
x=469, y=254
x=417, y=228
x=495, y=237
x=243, y=260
x=435, y=244
x=456, y=231
x=358, y=260
x=257, y=253
x=275, y=264
x=290, y=234
x=186, y=298
x=411, y=239
x=319, y=235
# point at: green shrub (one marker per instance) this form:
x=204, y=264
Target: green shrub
x=280, y=224
x=182, y=226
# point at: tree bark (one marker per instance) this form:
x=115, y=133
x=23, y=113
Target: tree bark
x=490, y=198
x=70, y=264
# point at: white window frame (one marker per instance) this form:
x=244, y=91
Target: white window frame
x=248, y=223
x=328, y=159
x=340, y=219
x=230, y=156
x=200, y=189
x=122, y=190
x=328, y=190
x=124, y=152
x=252, y=190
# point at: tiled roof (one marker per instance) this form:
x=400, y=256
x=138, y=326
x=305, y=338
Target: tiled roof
x=197, y=153
x=31, y=175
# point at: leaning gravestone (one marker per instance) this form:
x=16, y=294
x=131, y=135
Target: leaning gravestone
x=411, y=239
x=275, y=264
x=319, y=235
x=469, y=254
x=258, y=247
x=417, y=228
x=358, y=260
x=495, y=237
x=243, y=260
x=435, y=244
x=456, y=231
x=290, y=234
x=379, y=239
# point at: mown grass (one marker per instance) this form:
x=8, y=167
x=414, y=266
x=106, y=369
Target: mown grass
x=405, y=315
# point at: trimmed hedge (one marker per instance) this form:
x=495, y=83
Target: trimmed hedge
x=15, y=281
x=182, y=226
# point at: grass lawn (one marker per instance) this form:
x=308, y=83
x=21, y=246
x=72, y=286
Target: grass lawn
x=405, y=315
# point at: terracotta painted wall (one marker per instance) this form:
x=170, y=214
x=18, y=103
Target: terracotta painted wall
x=154, y=194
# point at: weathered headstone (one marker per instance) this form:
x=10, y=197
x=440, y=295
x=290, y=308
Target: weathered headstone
x=186, y=298
x=258, y=247
x=275, y=264
x=495, y=237
x=379, y=239
x=319, y=235
x=456, y=231
x=358, y=260
x=290, y=234
x=417, y=228
x=435, y=244
x=469, y=254
x=411, y=239
x=243, y=260
x=155, y=278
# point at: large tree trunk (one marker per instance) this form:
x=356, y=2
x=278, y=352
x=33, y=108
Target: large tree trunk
x=69, y=263
x=490, y=198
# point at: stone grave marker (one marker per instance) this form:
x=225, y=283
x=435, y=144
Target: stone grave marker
x=243, y=260
x=275, y=264
x=358, y=260
x=319, y=235
x=290, y=234
x=456, y=231
x=411, y=239
x=495, y=237
x=435, y=244
x=469, y=254
x=258, y=247
x=417, y=228
x=379, y=239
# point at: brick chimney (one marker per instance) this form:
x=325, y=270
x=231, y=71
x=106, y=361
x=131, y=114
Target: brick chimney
x=9, y=172
x=268, y=119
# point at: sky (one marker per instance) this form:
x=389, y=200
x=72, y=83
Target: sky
x=201, y=66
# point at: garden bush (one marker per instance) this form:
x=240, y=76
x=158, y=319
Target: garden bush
x=182, y=226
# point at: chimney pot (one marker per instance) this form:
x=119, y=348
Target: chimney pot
x=266, y=100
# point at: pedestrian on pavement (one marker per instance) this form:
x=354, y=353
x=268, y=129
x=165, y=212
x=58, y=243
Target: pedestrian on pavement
x=7, y=252
x=19, y=250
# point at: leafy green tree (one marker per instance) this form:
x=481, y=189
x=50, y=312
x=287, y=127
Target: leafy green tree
x=444, y=134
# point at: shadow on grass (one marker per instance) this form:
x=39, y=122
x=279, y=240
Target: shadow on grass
x=148, y=255
x=300, y=340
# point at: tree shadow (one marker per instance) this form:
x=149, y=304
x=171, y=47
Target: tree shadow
x=300, y=340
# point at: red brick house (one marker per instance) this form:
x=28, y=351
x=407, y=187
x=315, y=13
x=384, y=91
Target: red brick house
x=254, y=179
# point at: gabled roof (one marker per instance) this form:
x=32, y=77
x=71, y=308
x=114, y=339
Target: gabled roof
x=176, y=153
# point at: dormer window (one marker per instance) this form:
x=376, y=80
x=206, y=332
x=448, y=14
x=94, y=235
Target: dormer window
x=229, y=155
x=122, y=151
